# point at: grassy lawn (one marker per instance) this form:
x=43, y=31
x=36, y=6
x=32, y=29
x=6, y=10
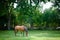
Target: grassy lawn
x=33, y=35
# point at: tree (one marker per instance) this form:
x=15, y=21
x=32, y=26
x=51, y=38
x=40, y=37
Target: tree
x=6, y=9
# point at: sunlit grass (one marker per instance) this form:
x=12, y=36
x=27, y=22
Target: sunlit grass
x=33, y=35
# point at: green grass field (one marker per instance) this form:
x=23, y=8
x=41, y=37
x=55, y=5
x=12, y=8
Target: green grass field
x=33, y=35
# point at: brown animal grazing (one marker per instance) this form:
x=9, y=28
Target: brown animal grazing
x=21, y=29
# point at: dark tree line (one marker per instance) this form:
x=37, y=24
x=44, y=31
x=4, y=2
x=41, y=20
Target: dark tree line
x=27, y=14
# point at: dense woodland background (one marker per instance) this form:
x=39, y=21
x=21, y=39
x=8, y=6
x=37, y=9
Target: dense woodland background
x=27, y=14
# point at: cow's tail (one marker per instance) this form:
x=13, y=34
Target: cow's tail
x=14, y=31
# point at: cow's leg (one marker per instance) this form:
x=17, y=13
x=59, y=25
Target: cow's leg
x=26, y=33
x=23, y=33
x=16, y=32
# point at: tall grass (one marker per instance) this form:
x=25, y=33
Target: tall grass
x=33, y=35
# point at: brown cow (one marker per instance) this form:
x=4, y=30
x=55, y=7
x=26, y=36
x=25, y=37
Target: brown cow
x=22, y=29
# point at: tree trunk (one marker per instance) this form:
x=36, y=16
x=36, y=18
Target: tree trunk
x=9, y=14
x=9, y=19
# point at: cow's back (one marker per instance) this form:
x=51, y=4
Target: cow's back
x=21, y=28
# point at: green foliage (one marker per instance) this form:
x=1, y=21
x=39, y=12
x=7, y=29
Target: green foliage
x=25, y=13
